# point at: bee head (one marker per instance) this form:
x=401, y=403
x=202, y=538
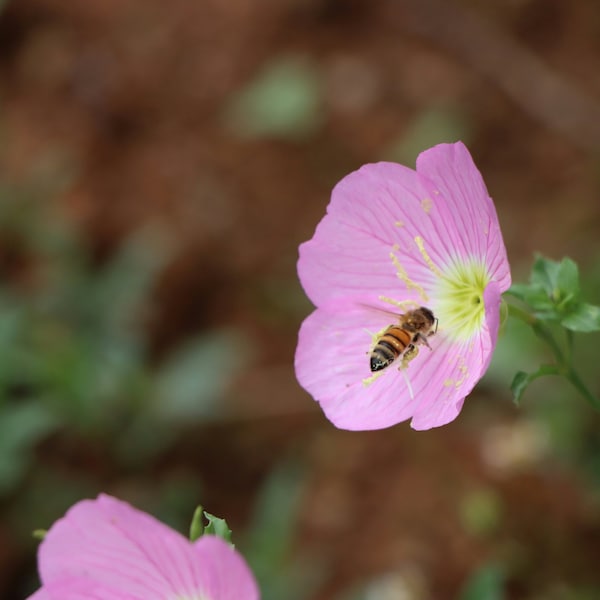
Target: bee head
x=427, y=314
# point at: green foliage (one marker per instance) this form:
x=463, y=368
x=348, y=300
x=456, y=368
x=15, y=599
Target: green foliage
x=197, y=525
x=552, y=305
x=195, y=375
x=216, y=526
x=433, y=125
x=554, y=295
x=282, y=101
x=21, y=427
x=522, y=380
x=486, y=583
x=269, y=543
x=481, y=511
x=74, y=344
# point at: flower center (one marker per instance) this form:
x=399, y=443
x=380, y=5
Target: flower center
x=459, y=294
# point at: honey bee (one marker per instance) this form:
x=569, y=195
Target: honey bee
x=402, y=339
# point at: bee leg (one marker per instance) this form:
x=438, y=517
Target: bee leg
x=420, y=338
x=410, y=353
x=408, y=386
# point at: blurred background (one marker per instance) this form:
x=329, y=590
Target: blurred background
x=160, y=162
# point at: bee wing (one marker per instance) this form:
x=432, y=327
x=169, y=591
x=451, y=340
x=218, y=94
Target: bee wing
x=387, y=308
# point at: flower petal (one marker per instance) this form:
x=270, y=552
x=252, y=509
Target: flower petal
x=109, y=541
x=391, y=237
x=460, y=199
x=463, y=366
x=333, y=345
x=425, y=219
x=80, y=588
x=225, y=575
x=370, y=217
x=332, y=365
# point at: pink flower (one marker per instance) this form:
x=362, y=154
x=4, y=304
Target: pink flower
x=105, y=549
x=394, y=239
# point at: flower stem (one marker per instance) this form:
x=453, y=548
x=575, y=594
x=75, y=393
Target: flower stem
x=519, y=313
x=539, y=329
x=563, y=362
x=578, y=384
x=546, y=335
x=570, y=346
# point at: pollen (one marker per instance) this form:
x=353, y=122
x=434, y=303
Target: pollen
x=403, y=275
x=426, y=204
x=421, y=246
x=369, y=380
x=460, y=307
x=403, y=305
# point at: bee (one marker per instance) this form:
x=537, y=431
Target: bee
x=402, y=339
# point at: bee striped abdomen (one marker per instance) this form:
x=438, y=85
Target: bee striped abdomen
x=394, y=341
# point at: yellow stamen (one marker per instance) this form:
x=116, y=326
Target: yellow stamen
x=403, y=305
x=403, y=275
x=421, y=246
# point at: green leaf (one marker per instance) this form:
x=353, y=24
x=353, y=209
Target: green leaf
x=583, y=317
x=553, y=291
x=544, y=274
x=195, y=376
x=283, y=101
x=518, y=290
x=559, y=280
x=487, y=583
x=518, y=385
x=121, y=290
x=271, y=536
x=535, y=296
x=434, y=124
x=217, y=527
x=22, y=426
x=543, y=307
x=521, y=380
x=567, y=280
x=196, y=526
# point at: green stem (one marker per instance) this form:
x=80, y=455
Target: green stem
x=578, y=384
x=519, y=313
x=570, y=346
x=540, y=330
x=564, y=363
x=545, y=334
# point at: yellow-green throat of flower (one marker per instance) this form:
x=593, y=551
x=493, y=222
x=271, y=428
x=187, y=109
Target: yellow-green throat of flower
x=459, y=298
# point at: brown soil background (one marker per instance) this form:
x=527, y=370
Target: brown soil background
x=131, y=95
